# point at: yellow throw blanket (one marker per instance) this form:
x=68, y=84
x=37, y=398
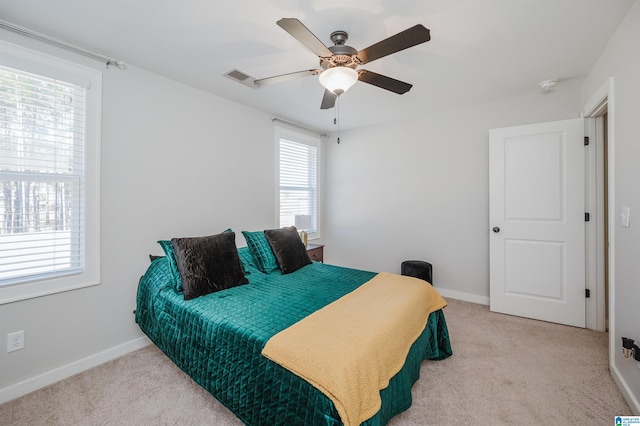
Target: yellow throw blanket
x=351, y=348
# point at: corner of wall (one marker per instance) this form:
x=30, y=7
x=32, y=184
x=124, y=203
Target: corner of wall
x=628, y=395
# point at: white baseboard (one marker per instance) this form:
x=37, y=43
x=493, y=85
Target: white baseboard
x=467, y=297
x=50, y=377
x=625, y=390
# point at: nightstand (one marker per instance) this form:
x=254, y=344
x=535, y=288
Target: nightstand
x=316, y=252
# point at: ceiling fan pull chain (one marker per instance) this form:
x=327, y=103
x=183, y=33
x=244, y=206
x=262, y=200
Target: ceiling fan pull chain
x=336, y=117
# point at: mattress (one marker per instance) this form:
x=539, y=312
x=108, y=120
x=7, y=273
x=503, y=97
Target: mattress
x=217, y=340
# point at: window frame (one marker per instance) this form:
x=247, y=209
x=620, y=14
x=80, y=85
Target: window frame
x=305, y=137
x=35, y=62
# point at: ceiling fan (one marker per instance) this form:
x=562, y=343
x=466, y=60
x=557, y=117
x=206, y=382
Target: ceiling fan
x=339, y=62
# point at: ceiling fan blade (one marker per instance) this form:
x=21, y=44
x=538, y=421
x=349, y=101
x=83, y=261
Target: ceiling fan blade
x=403, y=40
x=285, y=77
x=301, y=33
x=328, y=99
x=384, y=82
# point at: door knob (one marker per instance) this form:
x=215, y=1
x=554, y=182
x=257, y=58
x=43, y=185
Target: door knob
x=496, y=229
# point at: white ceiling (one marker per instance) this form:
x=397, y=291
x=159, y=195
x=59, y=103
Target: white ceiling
x=480, y=50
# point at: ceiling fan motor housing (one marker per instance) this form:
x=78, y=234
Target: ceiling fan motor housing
x=343, y=56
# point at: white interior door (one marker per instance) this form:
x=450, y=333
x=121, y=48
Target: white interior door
x=537, y=243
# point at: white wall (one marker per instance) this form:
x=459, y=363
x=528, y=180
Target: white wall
x=621, y=59
x=418, y=189
x=176, y=161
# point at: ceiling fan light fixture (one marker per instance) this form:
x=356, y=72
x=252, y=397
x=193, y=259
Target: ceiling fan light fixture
x=338, y=79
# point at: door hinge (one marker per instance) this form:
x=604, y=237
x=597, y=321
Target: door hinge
x=587, y=293
x=587, y=217
x=586, y=140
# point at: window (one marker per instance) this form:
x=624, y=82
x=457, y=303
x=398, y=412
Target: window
x=298, y=176
x=48, y=175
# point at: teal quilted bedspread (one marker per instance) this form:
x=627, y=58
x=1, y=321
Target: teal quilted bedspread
x=217, y=340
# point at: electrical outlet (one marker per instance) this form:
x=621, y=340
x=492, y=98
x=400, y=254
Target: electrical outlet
x=15, y=341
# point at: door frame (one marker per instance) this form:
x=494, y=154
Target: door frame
x=594, y=229
x=600, y=102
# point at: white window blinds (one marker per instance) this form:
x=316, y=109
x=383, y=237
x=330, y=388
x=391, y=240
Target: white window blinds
x=42, y=177
x=298, y=180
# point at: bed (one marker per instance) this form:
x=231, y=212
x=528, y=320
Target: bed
x=218, y=338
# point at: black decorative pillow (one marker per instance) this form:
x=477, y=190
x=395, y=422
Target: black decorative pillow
x=287, y=246
x=208, y=264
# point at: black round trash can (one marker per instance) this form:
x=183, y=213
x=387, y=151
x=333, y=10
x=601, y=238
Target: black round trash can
x=417, y=268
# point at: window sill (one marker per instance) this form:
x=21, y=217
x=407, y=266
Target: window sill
x=32, y=290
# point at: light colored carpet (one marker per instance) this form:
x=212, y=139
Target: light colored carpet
x=505, y=370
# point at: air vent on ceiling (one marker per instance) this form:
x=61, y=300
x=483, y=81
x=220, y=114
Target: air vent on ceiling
x=241, y=77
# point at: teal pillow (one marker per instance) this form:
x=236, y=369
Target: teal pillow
x=261, y=251
x=246, y=258
x=173, y=263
